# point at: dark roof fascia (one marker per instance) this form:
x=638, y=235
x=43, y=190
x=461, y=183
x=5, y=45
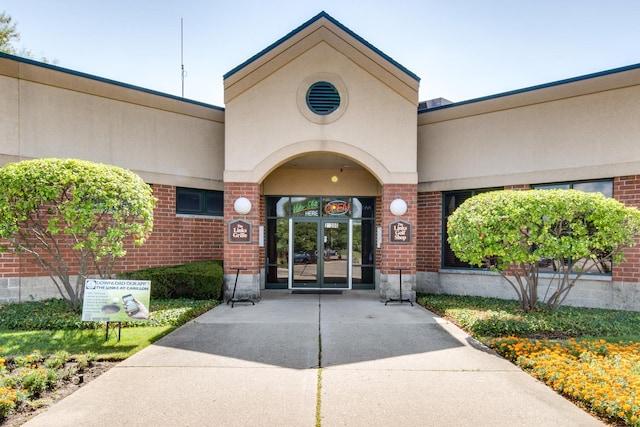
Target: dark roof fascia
x=108, y=81
x=536, y=87
x=307, y=24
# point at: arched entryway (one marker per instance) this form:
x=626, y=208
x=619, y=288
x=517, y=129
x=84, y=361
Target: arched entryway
x=320, y=224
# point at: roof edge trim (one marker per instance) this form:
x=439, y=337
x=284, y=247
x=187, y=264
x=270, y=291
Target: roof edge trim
x=534, y=88
x=105, y=80
x=307, y=24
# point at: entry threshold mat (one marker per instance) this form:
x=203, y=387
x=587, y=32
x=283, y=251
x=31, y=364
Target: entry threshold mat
x=317, y=291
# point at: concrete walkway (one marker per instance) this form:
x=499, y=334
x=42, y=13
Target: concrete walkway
x=393, y=365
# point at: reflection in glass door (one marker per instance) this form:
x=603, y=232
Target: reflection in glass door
x=320, y=242
x=320, y=250
x=304, y=240
x=335, y=259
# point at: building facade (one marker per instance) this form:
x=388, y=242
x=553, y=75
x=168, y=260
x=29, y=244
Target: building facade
x=323, y=170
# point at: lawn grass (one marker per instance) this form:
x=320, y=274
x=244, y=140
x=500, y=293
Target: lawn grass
x=76, y=342
x=49, y=326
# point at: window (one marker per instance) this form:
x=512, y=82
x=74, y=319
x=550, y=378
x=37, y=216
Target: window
x=199, y=202
x=604, y=186
x=451, y=201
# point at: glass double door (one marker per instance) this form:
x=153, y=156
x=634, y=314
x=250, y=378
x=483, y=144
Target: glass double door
x=320, y=253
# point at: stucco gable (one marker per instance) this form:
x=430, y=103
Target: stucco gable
x=321, y=29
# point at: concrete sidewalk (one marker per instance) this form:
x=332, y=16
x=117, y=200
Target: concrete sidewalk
x=393, y=365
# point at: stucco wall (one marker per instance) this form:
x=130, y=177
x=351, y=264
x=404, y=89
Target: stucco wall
x=48, y=112
x=377, y=121
x=582, y=130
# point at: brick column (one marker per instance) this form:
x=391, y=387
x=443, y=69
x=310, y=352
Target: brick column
x=246, y=254
x=395, y=255
x=626, y=189
x=429, y=232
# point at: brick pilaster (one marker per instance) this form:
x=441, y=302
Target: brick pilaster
x=626, y=189
x=245, y=255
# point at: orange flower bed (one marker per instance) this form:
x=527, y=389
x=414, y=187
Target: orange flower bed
x=604, y=376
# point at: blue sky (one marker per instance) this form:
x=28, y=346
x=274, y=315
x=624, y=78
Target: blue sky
x=461, y=49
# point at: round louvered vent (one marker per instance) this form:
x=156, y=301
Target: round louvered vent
x=323, y=98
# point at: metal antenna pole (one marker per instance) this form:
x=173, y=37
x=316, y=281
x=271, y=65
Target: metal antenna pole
x=182, y=54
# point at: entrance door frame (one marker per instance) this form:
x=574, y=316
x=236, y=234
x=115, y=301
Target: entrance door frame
x=320, y=247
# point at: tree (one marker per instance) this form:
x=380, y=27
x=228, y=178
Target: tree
x=8, y=33
x=514, y=232
x=73, y=216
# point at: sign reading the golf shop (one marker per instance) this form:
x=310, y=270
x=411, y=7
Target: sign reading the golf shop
x=400, y=232
x=115, y=300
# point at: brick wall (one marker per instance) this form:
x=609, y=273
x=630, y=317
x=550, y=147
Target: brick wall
x=626, y=189
x=517, y=187
x=398, y=255
x=245, y=255
x=174, y=240
x=429, y=232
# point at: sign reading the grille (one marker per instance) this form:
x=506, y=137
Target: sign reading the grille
x=239, y=231
x=400, y=232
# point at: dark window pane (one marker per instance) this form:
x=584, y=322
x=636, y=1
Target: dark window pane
x=363, y=207
x=188, y=201
x=199, y=202
x=215, y=203
x=278, y=206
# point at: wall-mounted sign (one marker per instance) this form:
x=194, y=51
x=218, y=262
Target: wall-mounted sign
x=115, y=300
x=239, y=231
x=400, y=232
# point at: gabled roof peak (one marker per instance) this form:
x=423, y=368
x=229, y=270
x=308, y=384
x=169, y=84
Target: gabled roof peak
x=319, y=16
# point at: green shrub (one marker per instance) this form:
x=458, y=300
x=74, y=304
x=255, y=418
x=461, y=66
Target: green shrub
x=198, y=280
x=38, y=315
x=49, y=315
x=493, y=317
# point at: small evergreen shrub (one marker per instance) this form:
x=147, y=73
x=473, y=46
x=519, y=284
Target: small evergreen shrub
x=199, y=280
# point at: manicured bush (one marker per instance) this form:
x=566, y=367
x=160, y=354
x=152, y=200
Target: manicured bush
x=55, y=315
x=66, y=212
x=198, y=280
x=512, y=232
